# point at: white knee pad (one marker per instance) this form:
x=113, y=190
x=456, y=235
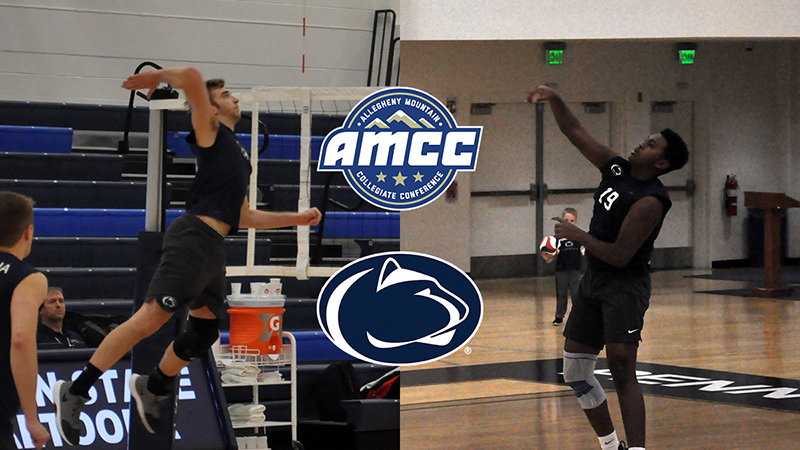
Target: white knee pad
x=579, y=375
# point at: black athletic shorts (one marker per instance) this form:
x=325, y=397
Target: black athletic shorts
x=7, y=439
x=609, y=308
x=192, y=267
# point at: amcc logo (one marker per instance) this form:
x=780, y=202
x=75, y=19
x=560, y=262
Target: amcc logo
x=400, y=149
x=400, y=308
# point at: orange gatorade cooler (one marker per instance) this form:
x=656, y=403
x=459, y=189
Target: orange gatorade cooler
x=257, y=328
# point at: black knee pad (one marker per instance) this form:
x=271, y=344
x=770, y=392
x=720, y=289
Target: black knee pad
x=196, y=339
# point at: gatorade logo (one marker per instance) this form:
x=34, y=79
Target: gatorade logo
x=400, y=149
x=275, y=323
x=379, y=309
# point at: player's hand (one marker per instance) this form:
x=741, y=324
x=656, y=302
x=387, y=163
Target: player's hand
x=38, y=432
x=566, y=230
x=540, y=94
x=548, y=257
x=310, y=217
x=145, y=80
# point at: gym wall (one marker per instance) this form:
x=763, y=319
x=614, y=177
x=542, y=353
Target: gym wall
x=79, y=52
x=745, y=97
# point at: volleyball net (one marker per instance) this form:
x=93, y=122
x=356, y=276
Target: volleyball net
x=305, y=102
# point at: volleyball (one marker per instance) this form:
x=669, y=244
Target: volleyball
x=549, y=245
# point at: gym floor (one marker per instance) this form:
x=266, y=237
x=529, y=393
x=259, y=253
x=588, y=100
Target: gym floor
x=717, y=371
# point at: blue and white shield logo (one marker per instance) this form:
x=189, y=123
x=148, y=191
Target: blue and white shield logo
x=400, y=308
x=400, y=149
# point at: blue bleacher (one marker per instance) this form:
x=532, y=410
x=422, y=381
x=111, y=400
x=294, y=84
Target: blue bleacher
x=287, y=171
x=357, y=225
x=92, y=222
x=280, y=146
x=283, y=197
x=87, y=224
x=93, y=283
x=83, y=194
x=83, y=251
x=77, y=222
x=14, y=138
x=122, y=251
x=60, y=166
x=312, y=346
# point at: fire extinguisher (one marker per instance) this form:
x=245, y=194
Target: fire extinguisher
x=731, y=186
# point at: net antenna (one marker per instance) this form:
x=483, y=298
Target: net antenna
x=303, y=99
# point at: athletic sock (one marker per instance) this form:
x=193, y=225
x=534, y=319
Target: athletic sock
x=85, y=380
x=636, y=448
x=158, y=383
x=610, y=442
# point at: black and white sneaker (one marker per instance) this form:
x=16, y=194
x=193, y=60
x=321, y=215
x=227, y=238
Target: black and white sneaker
x=68, y=412
x=558, y=321
x=147, y=404
x=622, y=446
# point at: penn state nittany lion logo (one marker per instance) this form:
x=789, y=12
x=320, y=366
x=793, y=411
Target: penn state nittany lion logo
x=400, y=149
x=169, y=302
x=380, y=310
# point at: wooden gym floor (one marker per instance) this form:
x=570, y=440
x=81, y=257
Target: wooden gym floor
x=717, y=372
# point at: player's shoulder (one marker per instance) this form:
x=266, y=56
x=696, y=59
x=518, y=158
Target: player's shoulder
x=616, y=167
x=34, y=279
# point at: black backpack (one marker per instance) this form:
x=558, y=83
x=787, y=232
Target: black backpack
x=93, y=328
x=339, y=381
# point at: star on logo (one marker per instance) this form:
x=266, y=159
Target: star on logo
x=399, y=179
x=418, y=177
x=381, y=176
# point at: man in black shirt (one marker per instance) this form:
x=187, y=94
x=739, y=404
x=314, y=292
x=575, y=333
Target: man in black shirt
x=51, y=332
x=569, y=262
x=191, y=272
x=629, y=207
x=22, y=290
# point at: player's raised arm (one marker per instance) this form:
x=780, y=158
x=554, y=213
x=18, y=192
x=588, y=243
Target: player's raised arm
x=190, y=81
x=597, y=153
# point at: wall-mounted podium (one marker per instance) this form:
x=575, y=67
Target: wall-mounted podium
x=771, y=203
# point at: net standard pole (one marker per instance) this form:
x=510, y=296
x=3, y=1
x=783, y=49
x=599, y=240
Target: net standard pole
x=304, y=197
x=155, y=168
x=251, y=232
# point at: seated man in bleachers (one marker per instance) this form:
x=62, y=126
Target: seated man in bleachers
x=51, y=332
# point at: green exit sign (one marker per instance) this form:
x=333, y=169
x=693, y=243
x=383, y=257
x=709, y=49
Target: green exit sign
x=555, y=56
x=686, y=56
x=554, y=52
x=686, y=52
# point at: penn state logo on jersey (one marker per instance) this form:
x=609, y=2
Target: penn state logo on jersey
x=244, y=152
x=169, y=302
x=400, y=149
x=400, y=308
x=616, y=169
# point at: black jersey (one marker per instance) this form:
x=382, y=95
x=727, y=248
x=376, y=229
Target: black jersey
x=618, y=191
x=223, y=174
x=569, y=256
x=12, y=272
x=47, y=337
